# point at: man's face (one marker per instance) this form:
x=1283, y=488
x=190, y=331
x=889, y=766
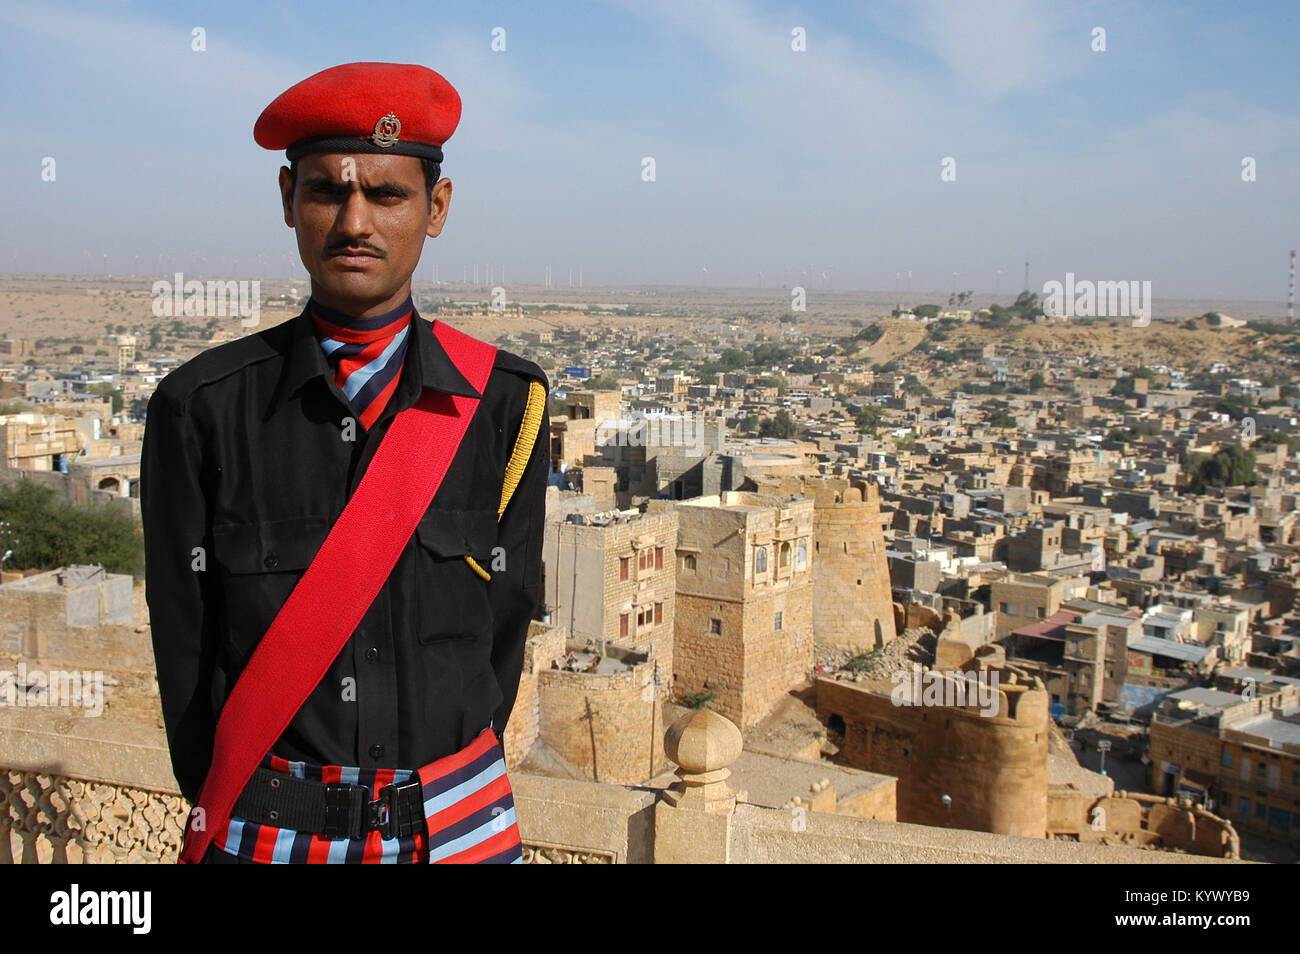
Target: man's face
x=361, y=221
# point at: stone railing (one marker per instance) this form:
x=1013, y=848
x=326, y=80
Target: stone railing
x=52, y=819
x=87, y=795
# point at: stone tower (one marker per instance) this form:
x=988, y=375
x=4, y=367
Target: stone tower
x=852, y=600
x=957, y=766
x=743, y=622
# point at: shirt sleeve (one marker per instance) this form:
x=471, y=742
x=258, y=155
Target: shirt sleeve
x=516, y=588
x=179, y=586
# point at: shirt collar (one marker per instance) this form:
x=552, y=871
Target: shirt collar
x=434, y=367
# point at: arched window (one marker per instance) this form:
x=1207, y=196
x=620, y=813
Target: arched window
x=760, y=560
x=800, y=554
x=784, y=555
x=690, y=561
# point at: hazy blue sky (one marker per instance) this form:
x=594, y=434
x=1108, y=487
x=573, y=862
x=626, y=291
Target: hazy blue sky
x=1125, y=164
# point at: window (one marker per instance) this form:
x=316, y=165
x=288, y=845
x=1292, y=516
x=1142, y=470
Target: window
x=776, y=621
x=783, y=555
x=1227, y=760
x=1243, y=808
x=622, y=568
x=643, y=560
x=1002, y=607
x=690, y=561
x=659, y=612
x=659, y=558
x=760, y=560
x=1261, y=769
x=715, y=627
x=622, y=624
x=640, y=618
x=801, y=554
x=1261, y=810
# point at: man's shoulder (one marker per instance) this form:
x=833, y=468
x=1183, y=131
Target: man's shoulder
x=520, y=367
x=223, y=361
x=517, y=370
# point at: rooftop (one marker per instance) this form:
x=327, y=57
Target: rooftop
x=1183, y=652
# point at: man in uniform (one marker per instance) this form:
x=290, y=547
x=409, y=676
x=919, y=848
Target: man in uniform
x=252, y=450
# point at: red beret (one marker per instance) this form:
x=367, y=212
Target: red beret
x=363, y=107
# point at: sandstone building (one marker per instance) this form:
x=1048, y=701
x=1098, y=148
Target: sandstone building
x=852, y=606
x=744, y=616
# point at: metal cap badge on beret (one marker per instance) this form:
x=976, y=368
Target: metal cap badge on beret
x=363, y=107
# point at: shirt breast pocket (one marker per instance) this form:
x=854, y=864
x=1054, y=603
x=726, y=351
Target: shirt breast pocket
x=260, y=564
x=452, y=599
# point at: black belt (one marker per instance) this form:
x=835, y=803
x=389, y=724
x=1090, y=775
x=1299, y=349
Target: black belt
x=335, y=811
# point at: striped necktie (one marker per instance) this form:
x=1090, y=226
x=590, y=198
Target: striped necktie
x=366, y=354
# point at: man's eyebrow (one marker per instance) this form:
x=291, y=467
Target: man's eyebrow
x=389, y=188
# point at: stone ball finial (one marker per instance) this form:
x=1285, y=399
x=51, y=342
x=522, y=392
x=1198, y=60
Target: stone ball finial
x=703, y=741
x=703, y=744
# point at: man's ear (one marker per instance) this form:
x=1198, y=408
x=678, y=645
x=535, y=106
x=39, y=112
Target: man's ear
x=438, y=204
x=286, y=195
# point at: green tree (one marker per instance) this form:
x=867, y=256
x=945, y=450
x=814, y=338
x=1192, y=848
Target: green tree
x=45, y=532
x=1233, y=405
x=914, y=386
x=1232, y=466
x=780, y=425
x=1002, y=420
x=103, y=387
x=1269, y=438
x=869, y=416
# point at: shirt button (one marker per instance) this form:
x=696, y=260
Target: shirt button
x=372, y=654
x=272, y=561
x=376, y=751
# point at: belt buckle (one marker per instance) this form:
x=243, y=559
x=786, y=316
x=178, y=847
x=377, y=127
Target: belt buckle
x=399, y=810
x=343, y=817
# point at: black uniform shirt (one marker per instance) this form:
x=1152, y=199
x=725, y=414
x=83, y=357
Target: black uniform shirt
x=246, y=464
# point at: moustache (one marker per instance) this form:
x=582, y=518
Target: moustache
x=354, y=247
